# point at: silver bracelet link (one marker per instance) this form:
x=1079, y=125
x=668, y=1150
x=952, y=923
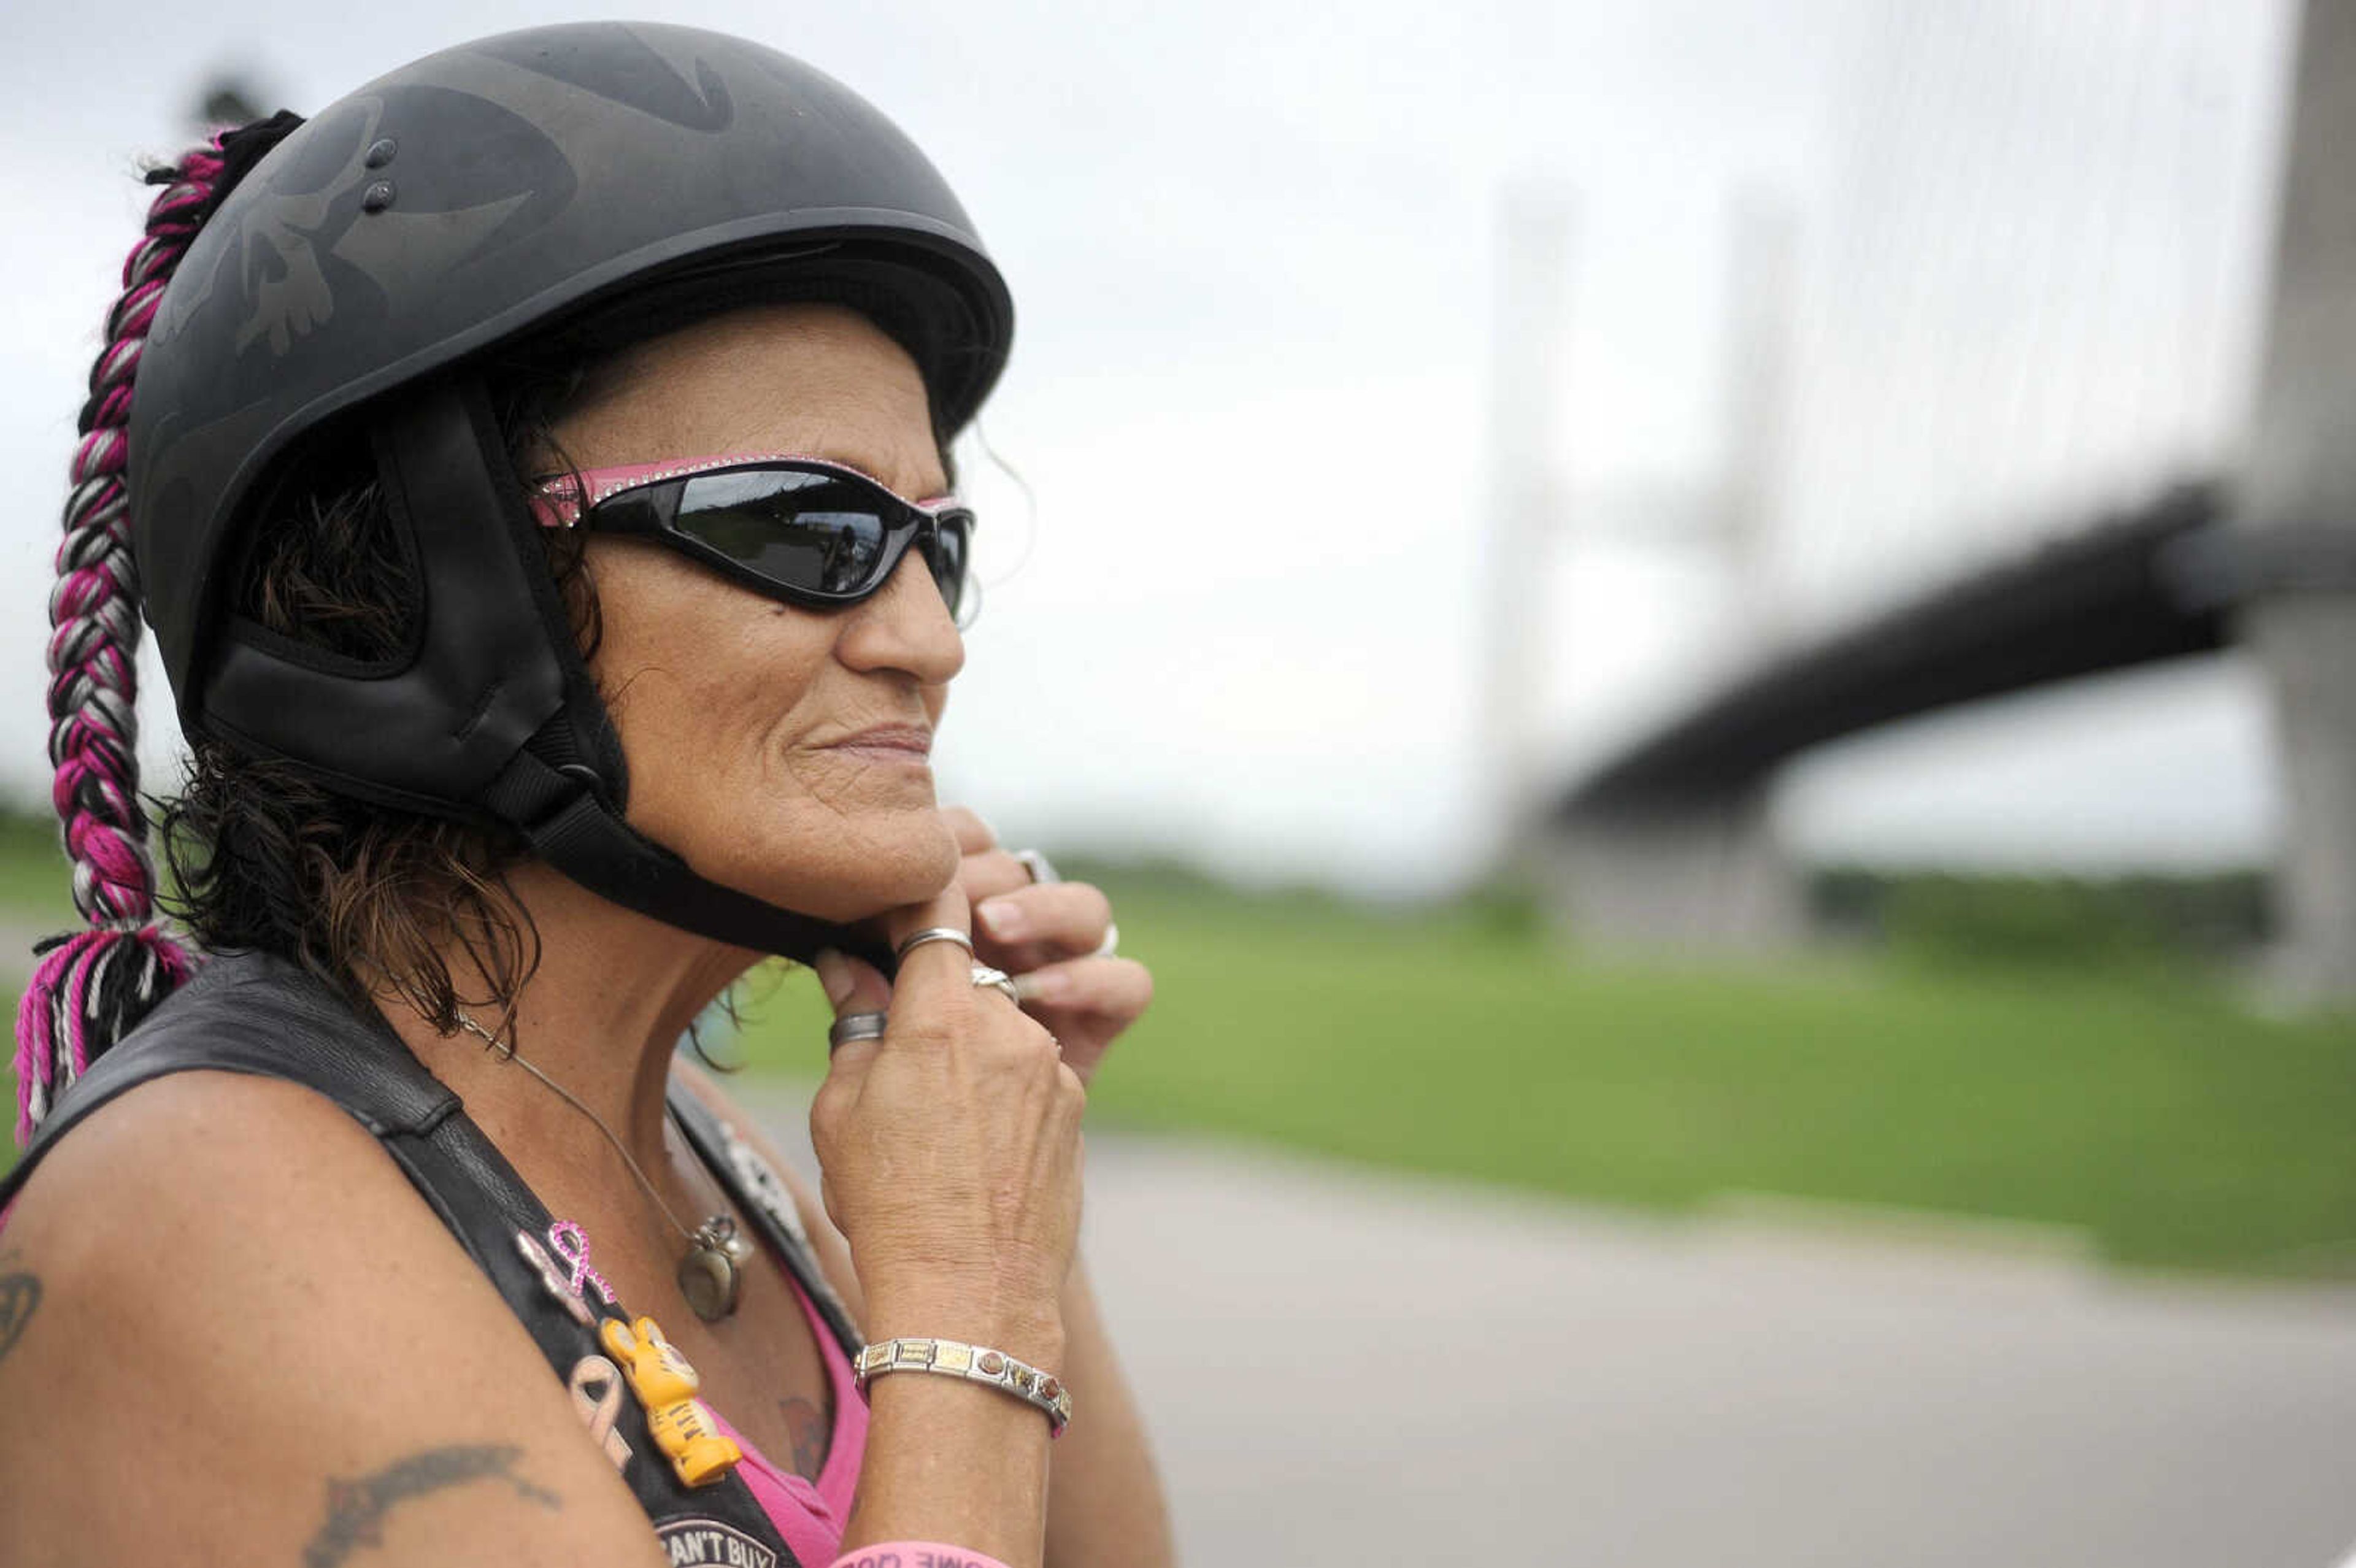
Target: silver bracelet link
x=975, y=1363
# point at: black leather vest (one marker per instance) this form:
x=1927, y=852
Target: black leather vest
x=253, y=1013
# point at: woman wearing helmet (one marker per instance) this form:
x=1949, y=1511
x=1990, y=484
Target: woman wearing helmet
x=534, y=470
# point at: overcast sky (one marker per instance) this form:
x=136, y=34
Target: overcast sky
x=1253, y=249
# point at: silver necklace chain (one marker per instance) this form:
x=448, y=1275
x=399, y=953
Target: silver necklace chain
x=509, y=1051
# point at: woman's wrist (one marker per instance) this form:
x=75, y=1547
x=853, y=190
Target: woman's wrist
x=1029, y=1331
x=951, y=1460
x=927, y=1357
x=915, y=1554
x=1026, y=1322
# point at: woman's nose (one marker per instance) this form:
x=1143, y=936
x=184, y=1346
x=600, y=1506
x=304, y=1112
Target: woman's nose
x=907, y=625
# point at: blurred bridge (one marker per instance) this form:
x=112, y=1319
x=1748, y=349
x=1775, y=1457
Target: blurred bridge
x=2028, y=317
x=2153, y=584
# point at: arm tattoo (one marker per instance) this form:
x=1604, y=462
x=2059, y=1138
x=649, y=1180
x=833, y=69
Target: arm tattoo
x=20, y=1296
x=810, y=1437
x=356, y=1509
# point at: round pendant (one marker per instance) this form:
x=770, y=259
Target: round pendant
x=709, y=1279
x=713, y=1270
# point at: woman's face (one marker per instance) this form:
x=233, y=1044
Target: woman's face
x=741, y=717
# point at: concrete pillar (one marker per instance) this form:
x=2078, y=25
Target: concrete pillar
x=1526, y=508
x=1763, y=305
x=1708, y=879
x=2301, y=481
x=1704, y=879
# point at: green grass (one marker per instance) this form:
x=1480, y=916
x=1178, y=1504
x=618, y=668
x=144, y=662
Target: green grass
x=35, y=883
x=2147, y=1109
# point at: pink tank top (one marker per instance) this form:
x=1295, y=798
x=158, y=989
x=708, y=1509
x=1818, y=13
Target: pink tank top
x=811, y=1516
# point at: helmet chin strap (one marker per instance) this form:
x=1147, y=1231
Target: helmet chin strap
x=570, y=826
x=565, y=787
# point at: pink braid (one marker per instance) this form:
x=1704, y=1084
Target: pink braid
x=91, y=986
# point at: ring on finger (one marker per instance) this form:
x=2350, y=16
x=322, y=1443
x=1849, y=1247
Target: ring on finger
x=853, y=1026
x=1042, y=869
x=996, y=980
x=916, y=939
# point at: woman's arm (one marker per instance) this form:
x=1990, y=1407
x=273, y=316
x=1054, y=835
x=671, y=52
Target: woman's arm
x=1105, y=1505
x=1105, y=1510
x=951, y=1150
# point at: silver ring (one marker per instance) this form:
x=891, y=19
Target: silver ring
x=996, y=980
x=1042, y=869
x=916, y=939
x=1111, y=943
x=850, y=1026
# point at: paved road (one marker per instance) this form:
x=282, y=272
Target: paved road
x=1343, y=1369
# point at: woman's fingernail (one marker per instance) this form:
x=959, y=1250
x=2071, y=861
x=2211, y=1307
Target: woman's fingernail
x=1004, y=919
x=834, y=976
x=1050, y=987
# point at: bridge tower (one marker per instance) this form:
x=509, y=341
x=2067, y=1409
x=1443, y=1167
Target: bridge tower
x=1526, y=503
x=1708, y=872
x=2298, y=507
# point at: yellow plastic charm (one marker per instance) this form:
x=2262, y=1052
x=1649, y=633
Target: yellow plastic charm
x=682, y=1425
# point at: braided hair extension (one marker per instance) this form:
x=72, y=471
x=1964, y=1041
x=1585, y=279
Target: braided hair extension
x=90, y=987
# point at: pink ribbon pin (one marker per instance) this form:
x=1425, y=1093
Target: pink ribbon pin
x=570, y=1242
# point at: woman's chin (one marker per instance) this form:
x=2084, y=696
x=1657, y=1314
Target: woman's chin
x=859, y=877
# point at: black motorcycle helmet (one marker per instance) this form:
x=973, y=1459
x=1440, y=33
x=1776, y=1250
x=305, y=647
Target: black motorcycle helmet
x=589, y=184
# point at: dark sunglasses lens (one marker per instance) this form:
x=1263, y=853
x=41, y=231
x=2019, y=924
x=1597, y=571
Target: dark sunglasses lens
x=948, y=560
x=811, y=531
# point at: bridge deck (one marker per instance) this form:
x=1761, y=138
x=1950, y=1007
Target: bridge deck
x=2126, y=592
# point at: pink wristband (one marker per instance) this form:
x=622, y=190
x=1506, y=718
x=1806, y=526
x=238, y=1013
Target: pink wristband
x=915, y=1554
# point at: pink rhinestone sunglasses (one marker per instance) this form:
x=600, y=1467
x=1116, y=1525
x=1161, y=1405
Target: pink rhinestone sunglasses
x=805, y=530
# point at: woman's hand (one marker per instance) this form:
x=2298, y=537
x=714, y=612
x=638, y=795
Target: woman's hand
x=1046, y=934
x=950, y=1149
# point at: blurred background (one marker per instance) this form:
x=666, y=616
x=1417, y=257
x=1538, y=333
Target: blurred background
x=1704, y=642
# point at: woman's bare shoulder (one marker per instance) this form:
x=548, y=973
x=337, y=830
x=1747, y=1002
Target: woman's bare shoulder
x=188, y=1175
x=247, y=1338
x=194, y=1176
